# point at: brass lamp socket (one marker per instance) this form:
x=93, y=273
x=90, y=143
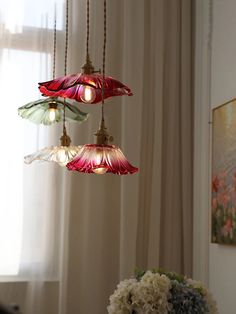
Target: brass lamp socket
x=52, y=105
x=65, y=139
x=88, y=68
x=102, y=136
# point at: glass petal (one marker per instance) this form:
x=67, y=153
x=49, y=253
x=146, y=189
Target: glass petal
x=59, y=154
x=108, y=157
x=37, y=111
x=70, y=87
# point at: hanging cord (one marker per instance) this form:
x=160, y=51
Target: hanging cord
x=102, y=137
x=65, y=139
x=67, y=35
x=66, y=55
x=88, y=68
x=88, y=29
x=54, y=42
x=104, y=58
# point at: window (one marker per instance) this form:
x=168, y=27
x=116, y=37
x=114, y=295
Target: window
x=25, y=59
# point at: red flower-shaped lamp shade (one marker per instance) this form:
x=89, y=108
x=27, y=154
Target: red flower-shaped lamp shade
x=85, y=88
x=93, y=158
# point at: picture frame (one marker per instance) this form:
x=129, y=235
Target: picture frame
x=223, y=179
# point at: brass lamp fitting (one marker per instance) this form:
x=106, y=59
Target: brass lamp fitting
x=102, y=137
x=65, y=139
x=52, y=105
x=88, y=67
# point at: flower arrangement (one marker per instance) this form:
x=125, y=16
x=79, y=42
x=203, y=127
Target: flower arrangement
x=159, y=292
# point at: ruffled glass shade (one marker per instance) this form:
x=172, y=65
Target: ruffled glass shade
x=59, y=154
x=39, y=111
x=100, y=159
x=72, y=86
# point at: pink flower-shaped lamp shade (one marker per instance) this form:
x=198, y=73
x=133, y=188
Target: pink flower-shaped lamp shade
x=93, y=158
x=85, y=88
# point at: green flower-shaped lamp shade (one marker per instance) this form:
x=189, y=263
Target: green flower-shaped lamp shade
x=49, y=110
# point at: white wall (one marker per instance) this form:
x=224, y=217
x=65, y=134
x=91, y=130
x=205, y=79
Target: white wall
x=222, y=259
x=215, y=83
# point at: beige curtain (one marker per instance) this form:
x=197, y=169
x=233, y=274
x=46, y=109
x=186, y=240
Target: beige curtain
x=113, y=224
x=31, y=198
x=144, y=220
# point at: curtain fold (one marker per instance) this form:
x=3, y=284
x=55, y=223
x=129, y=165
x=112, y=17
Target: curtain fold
x=144, y=220
x=177, y=156
x=32, y=197
x=105, y=226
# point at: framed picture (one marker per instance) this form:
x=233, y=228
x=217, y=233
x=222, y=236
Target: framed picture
x=223, y=209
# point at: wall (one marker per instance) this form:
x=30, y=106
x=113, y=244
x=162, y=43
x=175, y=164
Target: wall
x=222, y=259
x=215, y=83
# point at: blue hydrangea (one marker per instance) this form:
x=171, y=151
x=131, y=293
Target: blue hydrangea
x=186, y=300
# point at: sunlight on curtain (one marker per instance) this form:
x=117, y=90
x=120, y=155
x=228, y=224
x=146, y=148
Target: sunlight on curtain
x=17, y=14
x=25, y=59
x=17, y=64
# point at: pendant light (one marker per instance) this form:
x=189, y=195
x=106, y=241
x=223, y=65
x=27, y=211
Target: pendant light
x=65, y=152
x=86, y=86
x=60, y=154
x=101, y=157
x=49, y=110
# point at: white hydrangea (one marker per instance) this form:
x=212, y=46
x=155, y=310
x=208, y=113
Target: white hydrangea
x=120, y=300
x=152, y=293
x=147, y=296
x=206, y=294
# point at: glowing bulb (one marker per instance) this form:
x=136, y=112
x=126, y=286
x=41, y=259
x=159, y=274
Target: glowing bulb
x=87, y=94
x=52, y=114
x=98, y=167
x=62, y=158
x=100, y=170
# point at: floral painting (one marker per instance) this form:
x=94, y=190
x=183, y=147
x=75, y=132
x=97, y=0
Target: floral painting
x=224, y=174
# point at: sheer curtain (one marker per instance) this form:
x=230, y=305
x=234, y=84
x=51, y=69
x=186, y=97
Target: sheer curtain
x=82, y=233
x=144, y=220
x=32, y=203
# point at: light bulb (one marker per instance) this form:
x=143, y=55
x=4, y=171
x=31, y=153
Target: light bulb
x=98, y=167
x=100, y=170
x=87, y=94
x=62, y=158
x=52, y=114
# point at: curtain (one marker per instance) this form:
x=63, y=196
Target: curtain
x=104, y=226
x=144, y=220
x=32, y=216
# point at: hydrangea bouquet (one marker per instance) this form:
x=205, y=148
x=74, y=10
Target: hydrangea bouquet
x=159, y=292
